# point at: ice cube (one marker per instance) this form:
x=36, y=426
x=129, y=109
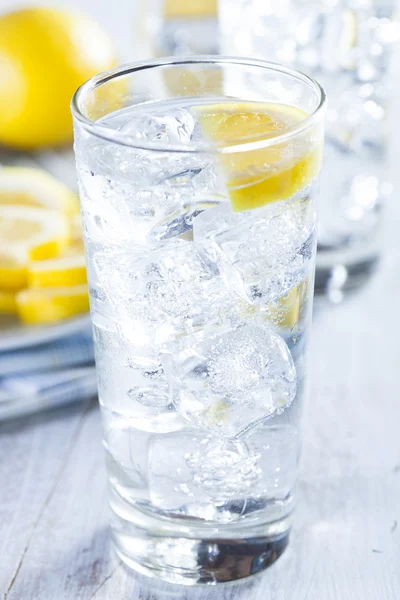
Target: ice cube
x=175, y=126
x=277, y=448
x=122, y=211
x=213, y=478
x=231, y=378
x=131, y=379
x=165, y=291
x=155, y=397
x=126, y=452
x=261, y=254
x=200, y=476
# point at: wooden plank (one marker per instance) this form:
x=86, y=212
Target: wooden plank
x=33, y=452
x=66, y=552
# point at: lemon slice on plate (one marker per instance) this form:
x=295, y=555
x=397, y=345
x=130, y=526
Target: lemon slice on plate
x=64, y=271
x=34, y=232
x=47, y=305
x=255, y=177
x=13, y=272
x=8, y=303
x=35, y=187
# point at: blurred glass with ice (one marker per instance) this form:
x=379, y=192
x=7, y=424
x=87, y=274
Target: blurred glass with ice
x=347, y=46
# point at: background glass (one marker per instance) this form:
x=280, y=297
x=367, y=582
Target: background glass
x=346, y=45
x=200, y=302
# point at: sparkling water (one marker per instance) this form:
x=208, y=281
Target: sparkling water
x=200, y=317
x=346, y=45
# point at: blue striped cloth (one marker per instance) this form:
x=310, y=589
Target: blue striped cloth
x=41, y=377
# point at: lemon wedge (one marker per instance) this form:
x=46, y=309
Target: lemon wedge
x=36, y=188
x=47, y=305
x=32, y=233
x=64, y=271
x=8, y=304
x=285, y=311
x=258, y=176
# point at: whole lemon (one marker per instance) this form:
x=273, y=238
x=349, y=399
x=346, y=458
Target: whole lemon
x=45, y=54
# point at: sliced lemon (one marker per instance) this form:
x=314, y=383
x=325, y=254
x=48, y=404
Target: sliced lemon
x=218, y=412
x=8, y=304
x=64, y=271
x=285, y=312
x=34, y=233
x=256, y=177
x=46, y=305
x=13, y=272
x=37, y=188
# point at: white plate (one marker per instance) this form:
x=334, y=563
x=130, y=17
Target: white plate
x=14, y=335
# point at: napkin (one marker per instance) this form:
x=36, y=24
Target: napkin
x=45, y=376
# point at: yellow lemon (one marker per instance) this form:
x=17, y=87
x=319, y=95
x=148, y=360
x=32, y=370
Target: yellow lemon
x=45, y=54
x=35, y=187
x=47, y=305
x=285, y=311
x=256, y=177
x=64, y=271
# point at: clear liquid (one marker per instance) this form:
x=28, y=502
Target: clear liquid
x=200, y=320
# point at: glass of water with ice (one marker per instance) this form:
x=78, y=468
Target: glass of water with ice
x=198, y=201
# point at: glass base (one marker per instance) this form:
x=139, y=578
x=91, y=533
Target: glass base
x=180, y=556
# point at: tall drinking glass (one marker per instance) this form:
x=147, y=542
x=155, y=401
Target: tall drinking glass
x=198, y=201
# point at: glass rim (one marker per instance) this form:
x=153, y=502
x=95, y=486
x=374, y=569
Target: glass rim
x=115, y=136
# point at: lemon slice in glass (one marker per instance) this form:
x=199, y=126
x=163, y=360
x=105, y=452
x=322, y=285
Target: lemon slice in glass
x=258, y=176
